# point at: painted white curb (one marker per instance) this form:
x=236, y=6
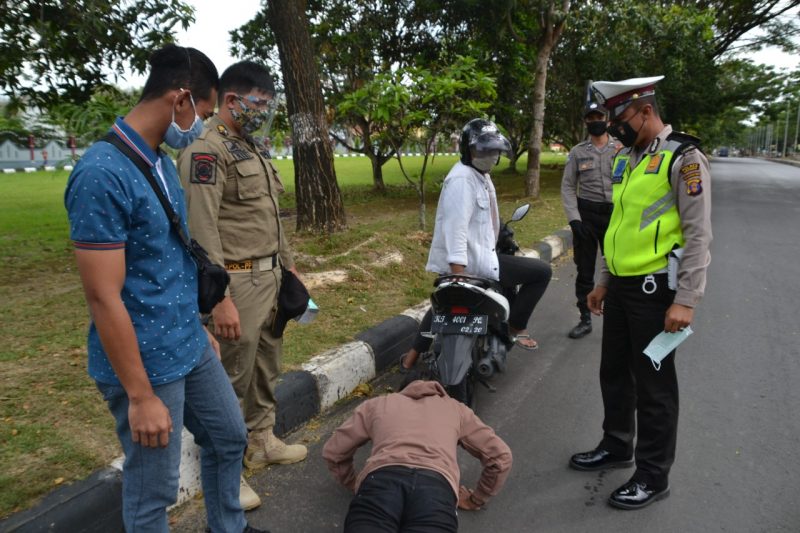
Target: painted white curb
x=339, y=370
x=418, y=311
x=556, y=246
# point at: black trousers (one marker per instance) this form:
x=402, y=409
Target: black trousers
x=594, y=217
x=533, y=276
x=635, y=394
x=399, y=499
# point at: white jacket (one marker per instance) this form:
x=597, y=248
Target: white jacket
x=464, y=234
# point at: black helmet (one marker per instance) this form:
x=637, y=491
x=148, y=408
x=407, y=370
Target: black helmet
x=594, y=107
x=483, y=135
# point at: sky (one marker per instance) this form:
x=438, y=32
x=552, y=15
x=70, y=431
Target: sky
x=209, y=34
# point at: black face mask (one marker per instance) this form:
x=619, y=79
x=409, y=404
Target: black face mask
x=596, y=127
x=623, y=132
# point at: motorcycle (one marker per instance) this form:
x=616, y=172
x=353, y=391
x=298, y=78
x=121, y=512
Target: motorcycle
x=471, y=336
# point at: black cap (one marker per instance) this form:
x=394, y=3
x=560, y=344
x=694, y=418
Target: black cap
x=594, y=107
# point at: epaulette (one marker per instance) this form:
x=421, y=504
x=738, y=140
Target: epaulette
x=684, y=138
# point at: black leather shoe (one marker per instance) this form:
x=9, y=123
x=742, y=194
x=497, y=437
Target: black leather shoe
x=635, y=495
x=598, y=460
x=583, y=328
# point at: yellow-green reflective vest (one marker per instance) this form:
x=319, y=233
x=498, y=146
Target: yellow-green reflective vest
x=645, y=225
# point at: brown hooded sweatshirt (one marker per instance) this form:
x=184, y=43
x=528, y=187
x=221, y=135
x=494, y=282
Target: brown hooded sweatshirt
x=418, y=428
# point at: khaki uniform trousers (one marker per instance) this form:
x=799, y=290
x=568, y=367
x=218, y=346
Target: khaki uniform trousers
x=253, y=363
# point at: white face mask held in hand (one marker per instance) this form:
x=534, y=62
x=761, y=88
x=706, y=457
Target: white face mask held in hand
x=664, y=343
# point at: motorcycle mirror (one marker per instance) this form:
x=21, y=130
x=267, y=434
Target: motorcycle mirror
x=520, y=212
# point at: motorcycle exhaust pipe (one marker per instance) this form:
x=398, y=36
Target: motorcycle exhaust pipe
x=485, y=367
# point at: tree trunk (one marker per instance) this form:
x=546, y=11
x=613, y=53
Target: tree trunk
x=319, y=200
x=553, y=26
x=512, y=162
x=377, y=172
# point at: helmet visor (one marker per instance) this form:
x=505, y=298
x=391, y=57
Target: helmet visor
x=491, y=141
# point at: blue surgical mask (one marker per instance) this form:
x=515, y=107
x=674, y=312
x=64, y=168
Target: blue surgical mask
x=179, y=138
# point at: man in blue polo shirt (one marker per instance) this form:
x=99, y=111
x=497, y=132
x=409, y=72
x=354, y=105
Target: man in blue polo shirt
x=152, y=359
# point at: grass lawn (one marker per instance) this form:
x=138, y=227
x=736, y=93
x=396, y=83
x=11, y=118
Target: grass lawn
x=54, y=426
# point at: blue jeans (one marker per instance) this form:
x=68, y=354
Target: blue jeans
x=205, y=403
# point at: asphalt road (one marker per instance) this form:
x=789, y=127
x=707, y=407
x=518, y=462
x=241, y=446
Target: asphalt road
x=738, y=460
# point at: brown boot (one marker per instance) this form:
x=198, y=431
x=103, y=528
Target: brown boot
x=264, y=448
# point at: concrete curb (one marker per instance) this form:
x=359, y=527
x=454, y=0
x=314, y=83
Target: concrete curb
x=95, y=504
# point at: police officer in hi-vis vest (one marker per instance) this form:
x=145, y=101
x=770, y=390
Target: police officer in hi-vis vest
x=662, y=211
x=586, y=196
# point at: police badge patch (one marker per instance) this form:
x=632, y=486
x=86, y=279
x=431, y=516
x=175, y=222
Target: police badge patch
x=694, y=186
x=691, y=175
x=204, y=168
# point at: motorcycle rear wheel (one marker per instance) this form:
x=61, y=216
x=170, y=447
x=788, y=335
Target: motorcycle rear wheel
x=464, y=392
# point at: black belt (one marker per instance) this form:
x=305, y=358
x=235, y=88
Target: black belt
x=399, y=469
x=602, y=208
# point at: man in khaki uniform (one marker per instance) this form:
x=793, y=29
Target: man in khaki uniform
x=586, y=196
x=231, y=189
x=661, y=218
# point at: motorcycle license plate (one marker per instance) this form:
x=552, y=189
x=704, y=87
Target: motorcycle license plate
x=460, y=324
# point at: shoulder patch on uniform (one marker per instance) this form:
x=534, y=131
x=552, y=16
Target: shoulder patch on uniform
x=238, y=152
x=691, y=167
x=222, y=129
x=654, y=164
x=204, y=167
x=694, y=185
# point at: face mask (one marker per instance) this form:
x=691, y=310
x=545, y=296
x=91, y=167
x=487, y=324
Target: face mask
x=485, y=163
x=596, y=127
x=178, y=138
x=249, y=119
x=663, y=344
x=624, y=132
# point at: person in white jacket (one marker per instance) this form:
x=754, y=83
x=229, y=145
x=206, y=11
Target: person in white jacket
x=466, y=231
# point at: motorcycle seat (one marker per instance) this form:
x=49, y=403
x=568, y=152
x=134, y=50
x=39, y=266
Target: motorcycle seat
x=483, y=283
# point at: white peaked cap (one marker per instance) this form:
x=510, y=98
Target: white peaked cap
x=617, y=95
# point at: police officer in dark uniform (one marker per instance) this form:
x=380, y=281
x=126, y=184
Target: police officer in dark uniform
x=662, y=210
x=586, y=196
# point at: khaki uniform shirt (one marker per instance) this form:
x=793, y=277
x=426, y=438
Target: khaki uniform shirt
x=691, y=184
x=232, y=197
x=587, y=175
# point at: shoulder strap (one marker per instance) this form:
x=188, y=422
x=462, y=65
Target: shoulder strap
x=114, y=140
x=678, y=142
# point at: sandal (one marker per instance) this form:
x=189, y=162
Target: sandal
x=528, y=347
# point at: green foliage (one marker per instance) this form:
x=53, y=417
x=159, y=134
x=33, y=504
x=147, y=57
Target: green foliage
x=437, y=102
x=53, y=51
x=89, y=121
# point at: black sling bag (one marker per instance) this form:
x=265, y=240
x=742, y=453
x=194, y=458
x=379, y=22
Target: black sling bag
x=212, y=279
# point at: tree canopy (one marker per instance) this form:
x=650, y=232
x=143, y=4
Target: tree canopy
x=53, y=51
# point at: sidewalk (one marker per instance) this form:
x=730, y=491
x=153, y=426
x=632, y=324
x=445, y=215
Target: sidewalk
x=94, y=504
